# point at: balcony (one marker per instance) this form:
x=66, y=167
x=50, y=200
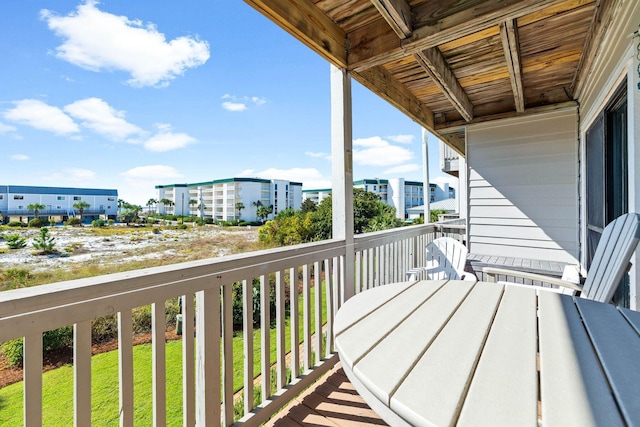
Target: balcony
x=205, y=288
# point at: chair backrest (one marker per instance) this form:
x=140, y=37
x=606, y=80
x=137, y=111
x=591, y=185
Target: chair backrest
x=611, y=260
x=450, y=257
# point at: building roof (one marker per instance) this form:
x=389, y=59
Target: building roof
x=225, y=180
x=29, y=189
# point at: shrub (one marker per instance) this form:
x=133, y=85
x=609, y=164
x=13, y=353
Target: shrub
x=44, y=242
x=14, y=241
x=38, y=222
x=52, y=222
x=111, y=222
x=56, y=339
x=74, y=221
x=98, y=223
x=16, y=224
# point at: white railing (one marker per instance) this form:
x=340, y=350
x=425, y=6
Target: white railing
x=206, y=291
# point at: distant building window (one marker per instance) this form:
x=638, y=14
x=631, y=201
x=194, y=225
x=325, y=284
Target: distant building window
x=77, y=198
x=1, y=196
x=276, y=187
x=58, y=207
x=60, y=197
x=111, y=199
x=375, y=188
x=17, y=197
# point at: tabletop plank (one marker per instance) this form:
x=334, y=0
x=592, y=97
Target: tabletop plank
x=400, y=350
x=573, y=388
x=618, y=346
x=512, y=381
x=356, y=340
x=422, y=399
x=367, y=302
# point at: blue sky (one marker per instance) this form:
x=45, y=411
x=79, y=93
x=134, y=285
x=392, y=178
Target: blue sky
x=128, y=95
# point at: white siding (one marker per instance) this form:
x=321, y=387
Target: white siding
x=523, y=187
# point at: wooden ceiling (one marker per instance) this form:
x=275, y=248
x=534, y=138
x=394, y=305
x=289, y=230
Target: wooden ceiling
x=447, y=63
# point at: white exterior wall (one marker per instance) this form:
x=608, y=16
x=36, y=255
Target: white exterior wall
x=395, y=196
x=523, y=187
x=57, y=204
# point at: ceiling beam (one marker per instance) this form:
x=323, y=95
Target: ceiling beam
x=436, y=66
x=511, y=46
x=376, y=44
x=397, y=13
x=601, y=20
x=382, y=83
x=303, y=20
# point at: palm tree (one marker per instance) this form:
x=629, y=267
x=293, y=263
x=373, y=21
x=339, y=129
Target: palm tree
x=81, y=205
x=239, y=207
x=36, y=208
x=150, y=203
x=166, y=202
x=192, y=204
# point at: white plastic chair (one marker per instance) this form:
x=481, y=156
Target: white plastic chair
x=446, y=259
x=610, y=262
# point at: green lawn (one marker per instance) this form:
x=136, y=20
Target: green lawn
x=58, y=383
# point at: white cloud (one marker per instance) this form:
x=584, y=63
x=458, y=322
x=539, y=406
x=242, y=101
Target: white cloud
x=151, y=173
x=37, y=114
x=234, y=106
x=411, y=167
x=19, y=157
x=402, y=139
x=378, y=152
x=310, y=177
x=240, y=103
x=165, y=140
x=101, y=118
x=6, y=128
x=70, y=176
x=97, y=41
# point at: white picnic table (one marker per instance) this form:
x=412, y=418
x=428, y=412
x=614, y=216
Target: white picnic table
x=440, y=353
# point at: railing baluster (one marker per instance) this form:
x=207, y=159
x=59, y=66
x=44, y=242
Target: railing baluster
x=265, y=324
x=82, y=373
x=317, y=290
x=188, y=364
x=159, y=364
x=329, y=328
x=227, y=349
x=280, y=326
x=208, y=357
x=32, y=369
x=358, y=271
x=294, y=323
x=125, y=367
x=247, y=337
x=306, y=310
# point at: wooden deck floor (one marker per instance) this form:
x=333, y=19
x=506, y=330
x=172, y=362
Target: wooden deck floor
x=332, y=401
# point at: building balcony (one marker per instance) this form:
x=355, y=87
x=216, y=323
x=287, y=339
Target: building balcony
x=310, y=274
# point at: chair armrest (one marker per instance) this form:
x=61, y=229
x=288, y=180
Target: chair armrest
x=491, y=273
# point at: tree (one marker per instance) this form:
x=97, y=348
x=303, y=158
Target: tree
x=81, y=205
x=239, y=207
x=151, y=202
x=166, y=202
x=36, y=208
x=44, y=242
x=264, y=211
x=192, y=204
x=308, y=205
x=130, y=213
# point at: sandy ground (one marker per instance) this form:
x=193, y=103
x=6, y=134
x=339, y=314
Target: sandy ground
x=80, y=246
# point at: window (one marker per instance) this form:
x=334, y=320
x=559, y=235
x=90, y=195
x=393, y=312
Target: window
x=1, y=196
x=60, y=197
x=58, y=207
x=111, y=199
x=77, y=198
x=18, y=197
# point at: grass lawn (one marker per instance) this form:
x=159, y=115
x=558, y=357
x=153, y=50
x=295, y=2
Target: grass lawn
x=58, y=383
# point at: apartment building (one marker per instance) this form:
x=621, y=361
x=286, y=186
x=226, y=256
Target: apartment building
x=57, y=201
x=397, y=192
x=219, y=199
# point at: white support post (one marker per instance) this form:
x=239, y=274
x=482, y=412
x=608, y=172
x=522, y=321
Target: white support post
x=342, y=172
x=633, y=144
x=426, y=188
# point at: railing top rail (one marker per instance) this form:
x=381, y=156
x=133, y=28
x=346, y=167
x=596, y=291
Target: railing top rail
x=19, y=301
x=364, y=241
